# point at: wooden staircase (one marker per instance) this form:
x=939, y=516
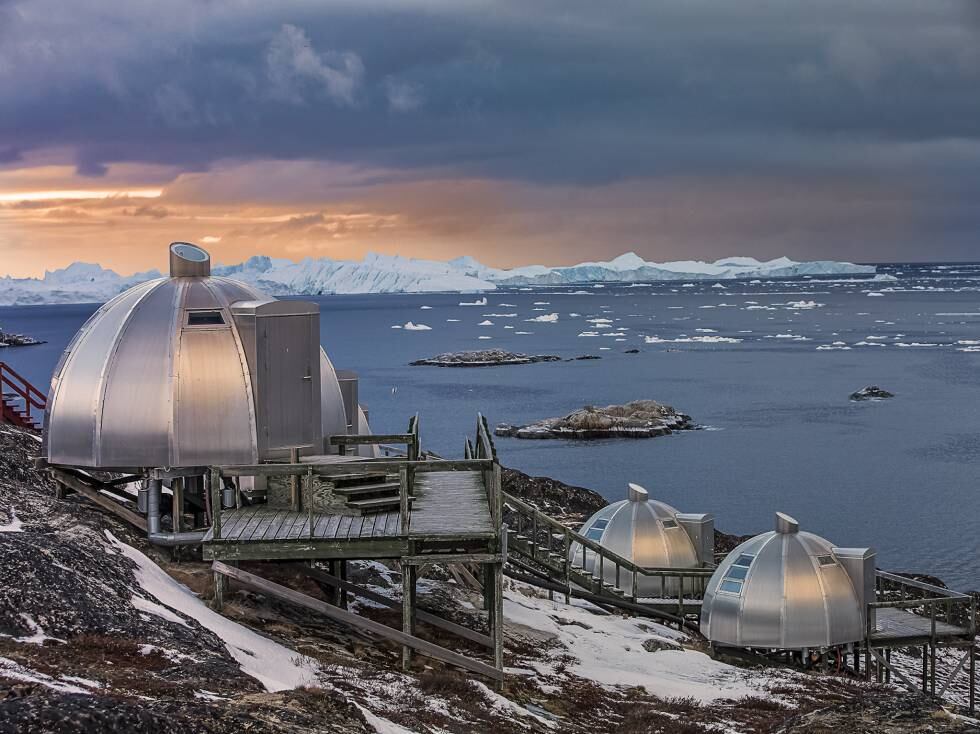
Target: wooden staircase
x=21, y=404
x=372, y=492
x=541, y=546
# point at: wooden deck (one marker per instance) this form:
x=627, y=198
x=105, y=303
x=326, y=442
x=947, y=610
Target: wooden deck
x=448, y=506
x=895, y=625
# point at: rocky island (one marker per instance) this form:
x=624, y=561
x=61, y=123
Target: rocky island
x=871, y=392
x=17, y=340
x=483, y=358
x=636, y=419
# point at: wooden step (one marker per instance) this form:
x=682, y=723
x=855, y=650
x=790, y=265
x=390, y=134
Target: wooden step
x=360, y=490
x=379, y=503
x=351, y=480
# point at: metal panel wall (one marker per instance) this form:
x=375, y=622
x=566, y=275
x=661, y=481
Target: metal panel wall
x=76, y=391
x=137, y=410
x=287, y=381
x=213, y=419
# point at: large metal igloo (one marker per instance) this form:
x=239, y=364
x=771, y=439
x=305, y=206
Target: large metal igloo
x=195, y=370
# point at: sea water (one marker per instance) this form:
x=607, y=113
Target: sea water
x=766, y=368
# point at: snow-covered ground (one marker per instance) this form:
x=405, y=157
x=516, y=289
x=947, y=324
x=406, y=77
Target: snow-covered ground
x=86, y=282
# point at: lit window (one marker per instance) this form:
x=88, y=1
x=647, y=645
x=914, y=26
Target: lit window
x=205, y=318
x=735, y=575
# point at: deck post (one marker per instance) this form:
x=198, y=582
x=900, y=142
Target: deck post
x=219, y=591
x=342, y=592
x=925, y=668
x=932, y=665
x=216, y=505
x=294, y=481
x=403, y=492
x=497, y=617
x=888, y=669
x=973, y=678
x=409, y=576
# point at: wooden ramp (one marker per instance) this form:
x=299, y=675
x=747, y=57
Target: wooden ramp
x=451, y=504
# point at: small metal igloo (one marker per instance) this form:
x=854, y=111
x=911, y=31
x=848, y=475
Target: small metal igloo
x=651, y=534
x=789, y=590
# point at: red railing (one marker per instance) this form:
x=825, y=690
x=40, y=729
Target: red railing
x=33, y=401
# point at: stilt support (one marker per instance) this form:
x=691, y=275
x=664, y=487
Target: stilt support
x=409, y=578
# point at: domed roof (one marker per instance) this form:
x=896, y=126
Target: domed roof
x=162, y=375
x=784, y=589
x=644, y=531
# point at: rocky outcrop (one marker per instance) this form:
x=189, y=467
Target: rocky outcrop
x=9, y=339
x=483, y=358
x=871, y=392
x=636, y=419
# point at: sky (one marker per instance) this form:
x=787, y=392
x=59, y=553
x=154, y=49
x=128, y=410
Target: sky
x=517, y=132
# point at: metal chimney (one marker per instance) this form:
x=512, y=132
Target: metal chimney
x=188, y=260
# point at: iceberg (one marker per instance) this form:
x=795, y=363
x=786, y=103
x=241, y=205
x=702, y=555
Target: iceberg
x=90, y=283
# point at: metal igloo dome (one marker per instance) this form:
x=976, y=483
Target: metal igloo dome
x=788, y=590
x=192, y=370
x=652, y=534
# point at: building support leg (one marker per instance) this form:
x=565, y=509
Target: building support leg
x=177, y=505
x=888, y=669
x=925, y=668
x=932, y=665
x=409, y=577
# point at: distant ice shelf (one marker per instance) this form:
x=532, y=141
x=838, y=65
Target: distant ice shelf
x=88, y=283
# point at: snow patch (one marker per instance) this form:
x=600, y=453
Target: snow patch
x=278, y=668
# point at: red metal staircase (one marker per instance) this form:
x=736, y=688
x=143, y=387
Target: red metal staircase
x=21, y=403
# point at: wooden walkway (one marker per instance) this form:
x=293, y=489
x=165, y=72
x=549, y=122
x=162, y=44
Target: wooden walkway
x=261, y=523
x=898, y=624
x=450, y=503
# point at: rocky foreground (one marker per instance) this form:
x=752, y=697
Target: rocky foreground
x=636, y=419
x=101, y=633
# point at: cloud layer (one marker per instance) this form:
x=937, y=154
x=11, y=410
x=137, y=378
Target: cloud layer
x=536, y=103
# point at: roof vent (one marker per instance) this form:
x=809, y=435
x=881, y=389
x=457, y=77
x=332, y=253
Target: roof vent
x=638, y=494
x=786, y=524
x=188, y=260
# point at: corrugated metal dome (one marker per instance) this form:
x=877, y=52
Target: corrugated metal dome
x=786, y=590
x=641, y=530
x=159, y=376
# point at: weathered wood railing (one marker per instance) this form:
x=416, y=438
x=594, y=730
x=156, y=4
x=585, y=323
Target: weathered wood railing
x=410, y=439
x=484, y=450
x=549, y=544
x=925, y=600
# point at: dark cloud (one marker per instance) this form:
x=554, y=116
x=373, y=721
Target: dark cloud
x=556, y=92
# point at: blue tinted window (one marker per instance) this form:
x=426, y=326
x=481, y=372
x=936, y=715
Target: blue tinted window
x=594, y=533
x=733, y=586
x=736, y=572
x=744, y=560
